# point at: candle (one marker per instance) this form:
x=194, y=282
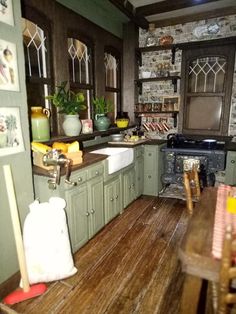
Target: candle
x=231, y=204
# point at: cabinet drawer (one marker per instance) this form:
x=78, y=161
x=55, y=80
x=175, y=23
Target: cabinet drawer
x=95, y=171
x=79, y=177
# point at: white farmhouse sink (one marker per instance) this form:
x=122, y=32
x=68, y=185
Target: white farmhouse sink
x=118, y=157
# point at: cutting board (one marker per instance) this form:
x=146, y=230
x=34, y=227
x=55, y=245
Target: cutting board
x=129, y=143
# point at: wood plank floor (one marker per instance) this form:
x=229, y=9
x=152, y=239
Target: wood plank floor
x=130, y=266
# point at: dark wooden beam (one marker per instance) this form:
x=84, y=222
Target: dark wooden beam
x=196, y=17
x=128, y=9
x=167, y=6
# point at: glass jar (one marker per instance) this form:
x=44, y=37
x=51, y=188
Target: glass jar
x=151, y=40
x=40, y=125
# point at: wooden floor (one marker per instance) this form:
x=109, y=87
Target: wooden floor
x=131, y=266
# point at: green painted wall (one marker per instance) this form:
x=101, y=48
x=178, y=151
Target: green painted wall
x=20, y=162
x=100, y=12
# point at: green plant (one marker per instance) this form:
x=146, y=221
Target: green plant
x=66, y=100
x=102, y=106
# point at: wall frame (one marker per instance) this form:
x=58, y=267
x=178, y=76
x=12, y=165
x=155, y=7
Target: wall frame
x=8, y=66
x=6, y=12
x=11, y=140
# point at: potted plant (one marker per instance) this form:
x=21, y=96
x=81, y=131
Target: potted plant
x=69, y=103
x=101, y=108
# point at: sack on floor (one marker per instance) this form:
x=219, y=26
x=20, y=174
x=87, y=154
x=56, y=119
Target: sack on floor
x=46, y=242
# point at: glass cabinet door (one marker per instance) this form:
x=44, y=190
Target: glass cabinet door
x=207, y=90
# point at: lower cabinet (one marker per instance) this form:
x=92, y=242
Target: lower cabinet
x=129, y=186
x=139, y=171
x=112, y=198
x=84, y=202
x=78, y=215
x=230, y=171
x=153, y=167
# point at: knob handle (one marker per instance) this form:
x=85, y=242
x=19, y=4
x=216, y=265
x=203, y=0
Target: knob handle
x=111, y=199
x=232, y=161
x=97, y=173
x=92, y=211
x=87, y=214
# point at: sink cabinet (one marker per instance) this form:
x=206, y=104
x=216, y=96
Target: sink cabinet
x=113, y=198
x=85, y=213
x=153, y=168
x=230, y=172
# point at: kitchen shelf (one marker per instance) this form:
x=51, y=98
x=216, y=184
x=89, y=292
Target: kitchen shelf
x=174, y=80
x=156, y=112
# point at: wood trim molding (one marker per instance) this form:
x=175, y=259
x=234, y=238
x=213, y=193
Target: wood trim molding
x=129, y=10
x=168, y=5
x=195, y=17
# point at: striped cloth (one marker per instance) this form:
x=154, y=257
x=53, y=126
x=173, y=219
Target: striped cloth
x=222, y=219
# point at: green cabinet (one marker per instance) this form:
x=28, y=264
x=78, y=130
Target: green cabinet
x=84, y=210
x=129, y=186
x=113, y=198
x=95, y=205
x=230, y=171
x=139, y=170
x=153, y=168
x=77, y=215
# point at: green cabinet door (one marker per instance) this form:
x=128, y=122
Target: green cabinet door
x=153, y=168
x=139, y=171
x=112, y=198
x=95, y=205
x=129, y=186
x=78, y=215
x=230, y=171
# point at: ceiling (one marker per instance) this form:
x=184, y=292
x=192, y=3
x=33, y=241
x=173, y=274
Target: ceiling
x=172, y=12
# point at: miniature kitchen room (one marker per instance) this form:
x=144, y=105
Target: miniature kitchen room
x=117, y=156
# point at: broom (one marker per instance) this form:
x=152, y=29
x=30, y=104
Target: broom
x=27, y=291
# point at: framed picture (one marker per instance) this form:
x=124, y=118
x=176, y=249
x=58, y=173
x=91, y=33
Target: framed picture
x=11, y=140
x=8, y=66
x=170, y=103
x=87, y=126
x=6, y=12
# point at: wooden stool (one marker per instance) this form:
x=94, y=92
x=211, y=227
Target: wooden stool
x=191, y=187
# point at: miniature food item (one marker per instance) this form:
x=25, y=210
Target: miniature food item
x=40, y=147
x=60, y=145
x=73, y=147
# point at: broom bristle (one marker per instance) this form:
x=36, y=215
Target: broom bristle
x=19, y=295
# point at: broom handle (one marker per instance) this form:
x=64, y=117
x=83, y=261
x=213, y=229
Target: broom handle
x=16, y=227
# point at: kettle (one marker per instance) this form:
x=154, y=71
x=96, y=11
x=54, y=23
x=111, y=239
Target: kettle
x=175, y=139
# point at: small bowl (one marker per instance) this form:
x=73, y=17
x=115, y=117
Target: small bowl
x=122, y=123
x=117, y=137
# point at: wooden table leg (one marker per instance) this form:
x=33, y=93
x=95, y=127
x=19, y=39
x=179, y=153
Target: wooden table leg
x=191, y=294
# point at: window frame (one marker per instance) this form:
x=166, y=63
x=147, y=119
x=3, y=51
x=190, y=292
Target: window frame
x=82, y=86
x=41, y=20
x=118, y=90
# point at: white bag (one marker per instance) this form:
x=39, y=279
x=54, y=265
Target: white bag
x=46, y=242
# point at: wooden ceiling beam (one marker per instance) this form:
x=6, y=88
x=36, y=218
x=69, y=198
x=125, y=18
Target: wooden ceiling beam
x=168, y=5
x=129, y=10
x=195, y=17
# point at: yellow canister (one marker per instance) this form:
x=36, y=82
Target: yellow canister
x=40, y=125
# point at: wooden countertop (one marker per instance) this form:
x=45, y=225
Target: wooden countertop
x=88, y=159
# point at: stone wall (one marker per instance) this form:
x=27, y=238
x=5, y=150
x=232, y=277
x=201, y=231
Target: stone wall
x=155, y=91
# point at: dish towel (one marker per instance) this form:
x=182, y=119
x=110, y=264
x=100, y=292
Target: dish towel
x=222, y=219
